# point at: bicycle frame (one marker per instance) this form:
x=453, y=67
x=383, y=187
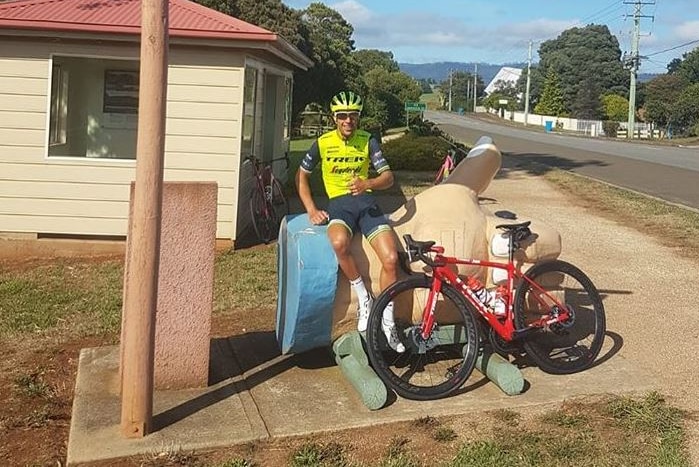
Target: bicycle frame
x=264, y=177
x=259, y=173
x=505, y=329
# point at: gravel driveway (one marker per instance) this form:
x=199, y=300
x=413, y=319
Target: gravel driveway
x=649, y=290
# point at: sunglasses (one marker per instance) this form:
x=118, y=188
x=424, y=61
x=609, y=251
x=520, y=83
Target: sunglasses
x=346, y=115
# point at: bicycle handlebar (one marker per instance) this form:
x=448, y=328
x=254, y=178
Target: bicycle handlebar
x=259, y=162
x=284, y=158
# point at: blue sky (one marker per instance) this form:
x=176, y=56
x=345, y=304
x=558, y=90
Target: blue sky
x=499, y=31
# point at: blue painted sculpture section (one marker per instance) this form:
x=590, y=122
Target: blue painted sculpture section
x=307, y=280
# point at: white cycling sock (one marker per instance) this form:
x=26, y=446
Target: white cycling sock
x=360, y=289
x=388, y=315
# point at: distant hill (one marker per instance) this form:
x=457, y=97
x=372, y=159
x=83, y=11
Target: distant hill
x=440, y=71
x=643, y=77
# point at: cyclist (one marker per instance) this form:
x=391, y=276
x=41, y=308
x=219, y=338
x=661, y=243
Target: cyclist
x=344, y=155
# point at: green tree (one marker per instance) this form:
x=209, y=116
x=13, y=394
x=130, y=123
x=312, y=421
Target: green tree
x=425, y=86
x=461, y=90
x=685, y=111
x=272, y=15
x=551, y=101
x=661, y=94
x=616, y=108
x=583, y=58
x=673, y=66
x=504, y=90
x=587, y=104
x=688, y=67
x=368, y=59
x=536, y=86
x=330, y=45
x=387, y=92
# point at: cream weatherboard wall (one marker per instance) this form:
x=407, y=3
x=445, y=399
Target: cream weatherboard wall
x=90, y=195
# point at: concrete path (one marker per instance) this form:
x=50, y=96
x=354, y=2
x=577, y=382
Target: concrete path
x=260, y=394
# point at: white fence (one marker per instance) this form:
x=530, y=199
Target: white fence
x=586, y=127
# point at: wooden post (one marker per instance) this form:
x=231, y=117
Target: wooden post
x=140, y=294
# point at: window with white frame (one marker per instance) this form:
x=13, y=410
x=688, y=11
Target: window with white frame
x=93, y=108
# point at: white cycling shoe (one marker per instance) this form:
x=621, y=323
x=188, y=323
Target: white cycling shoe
x=391, y=332
x=363, y=313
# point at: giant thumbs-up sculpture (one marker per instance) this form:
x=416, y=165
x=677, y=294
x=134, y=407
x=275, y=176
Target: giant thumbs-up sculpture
x=315, y=304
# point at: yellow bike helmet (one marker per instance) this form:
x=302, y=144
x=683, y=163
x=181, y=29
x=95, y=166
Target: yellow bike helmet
x=346, y=101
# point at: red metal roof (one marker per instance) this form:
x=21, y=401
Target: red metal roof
x=187, y=19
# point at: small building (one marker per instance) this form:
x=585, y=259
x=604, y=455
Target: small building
x=69, y=73
x=505, y=76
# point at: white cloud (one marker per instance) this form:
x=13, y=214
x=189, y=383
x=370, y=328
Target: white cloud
x=687, y=31
x=426, y=29
x=538, y=29
x=354, y=12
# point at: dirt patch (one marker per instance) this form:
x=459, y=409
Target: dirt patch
x=37, y=379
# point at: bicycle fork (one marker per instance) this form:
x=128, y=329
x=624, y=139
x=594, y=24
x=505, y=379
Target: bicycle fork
x=428, y=312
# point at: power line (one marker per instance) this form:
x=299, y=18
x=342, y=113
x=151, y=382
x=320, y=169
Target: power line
x=673, y=48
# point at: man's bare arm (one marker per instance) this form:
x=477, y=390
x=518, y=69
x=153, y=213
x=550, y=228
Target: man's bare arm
x=303, y=186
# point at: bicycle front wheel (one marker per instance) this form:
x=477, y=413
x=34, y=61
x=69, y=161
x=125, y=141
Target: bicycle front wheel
x=264, y=220
x=429, y=368
x=572, y=345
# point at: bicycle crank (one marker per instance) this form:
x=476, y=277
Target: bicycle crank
x=560, y=325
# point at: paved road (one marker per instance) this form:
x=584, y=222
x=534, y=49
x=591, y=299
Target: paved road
x=669, y=173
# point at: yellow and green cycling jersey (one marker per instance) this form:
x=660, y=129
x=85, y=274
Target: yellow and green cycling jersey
x=341, y=160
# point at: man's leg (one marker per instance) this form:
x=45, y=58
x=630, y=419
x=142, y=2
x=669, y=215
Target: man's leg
x=384, y=245
x=341, y=241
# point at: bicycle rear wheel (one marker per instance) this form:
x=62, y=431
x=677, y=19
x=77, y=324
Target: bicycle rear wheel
x=429, y=368
x=570, y=346
x=264, y=220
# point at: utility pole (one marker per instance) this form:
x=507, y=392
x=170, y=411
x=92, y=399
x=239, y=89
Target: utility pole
x=529, y=81
x=634, y=62
x=468, y=92
x=450, y=84
x=143, y=254
x=475, y=86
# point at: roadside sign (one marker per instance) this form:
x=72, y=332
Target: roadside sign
x=415, y=106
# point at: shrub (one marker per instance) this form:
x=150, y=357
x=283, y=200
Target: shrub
x=421, y=127
x=412, y=152
x=373, y=126
x=610, y=128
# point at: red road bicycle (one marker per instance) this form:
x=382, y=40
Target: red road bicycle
x=446, y=168
x=268, y=205
x=553, y=311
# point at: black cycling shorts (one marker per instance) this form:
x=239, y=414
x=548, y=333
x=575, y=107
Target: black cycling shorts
x=358, y=213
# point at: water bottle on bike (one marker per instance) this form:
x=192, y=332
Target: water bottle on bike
x=491, y=299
